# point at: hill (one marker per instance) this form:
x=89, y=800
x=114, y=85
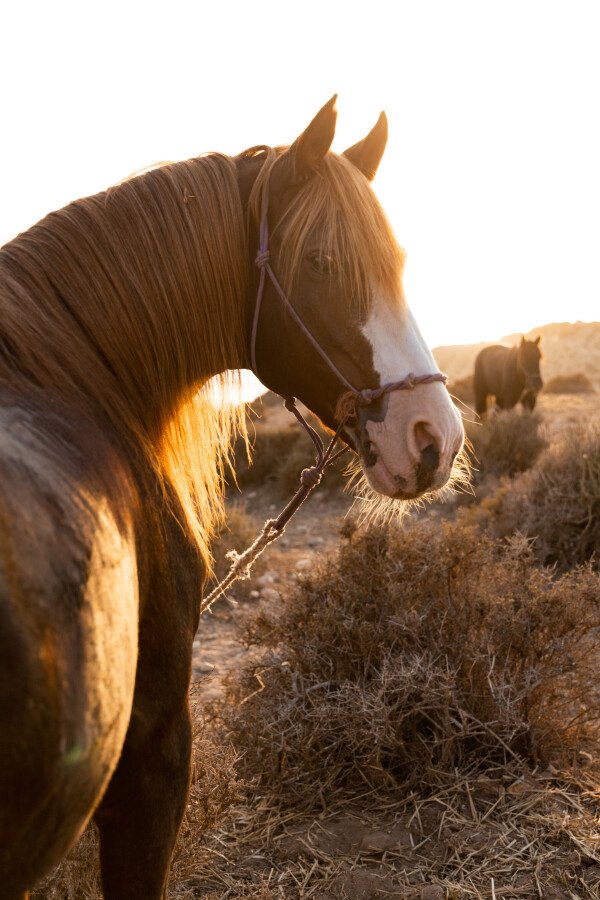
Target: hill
x=567, y=347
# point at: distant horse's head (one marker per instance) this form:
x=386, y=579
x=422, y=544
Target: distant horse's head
x=340, y=267
x=529, y=363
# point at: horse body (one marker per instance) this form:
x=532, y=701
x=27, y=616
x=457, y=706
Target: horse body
x=69, y=631
x=116, y=312
x=88, y=694
x=510, y=374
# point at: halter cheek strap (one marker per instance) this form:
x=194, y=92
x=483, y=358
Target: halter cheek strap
x=352, y=397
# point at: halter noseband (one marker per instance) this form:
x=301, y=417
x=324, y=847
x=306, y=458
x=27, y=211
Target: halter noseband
x=352, y=398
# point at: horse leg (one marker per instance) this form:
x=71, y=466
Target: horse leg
x=141, y=812
x=140, y=815
x=528, y=400
x=480, y=401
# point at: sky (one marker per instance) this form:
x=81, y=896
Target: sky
x=491, y=177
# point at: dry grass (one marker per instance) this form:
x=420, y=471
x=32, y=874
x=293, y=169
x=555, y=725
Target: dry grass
x=279, y=453
x=462, y=389
x=238, y=532
x=416, y=650
x=576, y=383
x=557, y=504
x=506, y=442
x=413, y=717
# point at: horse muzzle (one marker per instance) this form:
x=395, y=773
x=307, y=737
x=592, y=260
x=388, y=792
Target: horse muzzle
x=411, y=450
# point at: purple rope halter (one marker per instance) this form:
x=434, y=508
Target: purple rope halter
x=362, y=397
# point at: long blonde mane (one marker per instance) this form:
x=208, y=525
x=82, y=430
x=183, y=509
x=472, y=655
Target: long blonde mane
x=123, y=304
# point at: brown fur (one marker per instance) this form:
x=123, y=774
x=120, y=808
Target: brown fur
x=510, y=374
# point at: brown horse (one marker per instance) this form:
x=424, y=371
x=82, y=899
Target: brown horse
x=116, y=312
x=510, y=374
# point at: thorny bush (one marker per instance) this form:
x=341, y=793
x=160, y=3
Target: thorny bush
x=416, y=651
x=557, y=504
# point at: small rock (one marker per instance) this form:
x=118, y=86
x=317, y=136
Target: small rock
x=303, y=564
x=315, y=541
x=377, y=842
x=269, y=593
x=254, y=594
x=267, y=578
x=433, y=892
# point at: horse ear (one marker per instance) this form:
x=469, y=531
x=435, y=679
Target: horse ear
x=522, y=339
x=308, y=151
x=538, y=338
x=366, y=155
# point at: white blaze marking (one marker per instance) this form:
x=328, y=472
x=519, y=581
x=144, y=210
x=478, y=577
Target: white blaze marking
x=398, y=345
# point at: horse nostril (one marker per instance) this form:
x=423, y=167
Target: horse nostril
x=427, y=466
x=430, y=458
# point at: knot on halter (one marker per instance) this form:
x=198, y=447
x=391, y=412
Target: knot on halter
x=367, y=396
x=262, y=258
x=310, y=477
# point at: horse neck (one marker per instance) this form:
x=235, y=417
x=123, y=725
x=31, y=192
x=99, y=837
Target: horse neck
x=135, y=296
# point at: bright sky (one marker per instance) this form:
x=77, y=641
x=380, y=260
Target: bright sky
x=491, y=177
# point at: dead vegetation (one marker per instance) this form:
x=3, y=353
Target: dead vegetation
x=506, y=442
x=278, y=455
x=462, y=389
x=575, y=383
x=556, y=504
x=415, y=652
x=420, y=713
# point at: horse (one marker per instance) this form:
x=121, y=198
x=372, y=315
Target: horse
x=510, y=374
x=119, y=311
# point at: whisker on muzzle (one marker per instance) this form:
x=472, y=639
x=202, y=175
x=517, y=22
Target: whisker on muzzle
x=372, y=508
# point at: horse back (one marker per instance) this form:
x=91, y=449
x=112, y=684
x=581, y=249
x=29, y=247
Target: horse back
x=68, y=636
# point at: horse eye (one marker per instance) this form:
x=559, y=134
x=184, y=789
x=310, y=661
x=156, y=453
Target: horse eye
x=321, y=263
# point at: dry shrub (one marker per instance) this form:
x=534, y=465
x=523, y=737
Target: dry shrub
x=462, y=389
x=237, y=533
x=215, y=788
x=413, y=653
x=506, y=442
x=278, y=457
x=557, y=504
x=575, y=383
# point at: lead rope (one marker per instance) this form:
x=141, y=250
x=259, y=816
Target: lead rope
x=346, y=408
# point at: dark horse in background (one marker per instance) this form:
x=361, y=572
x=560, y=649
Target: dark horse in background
x=510, y=374
x=117, y=313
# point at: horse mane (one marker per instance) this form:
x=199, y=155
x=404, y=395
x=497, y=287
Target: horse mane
x=116, y=304
x=123, y=304
x=338, y=205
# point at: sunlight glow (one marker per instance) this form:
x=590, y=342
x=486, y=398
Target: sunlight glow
x=491, y=176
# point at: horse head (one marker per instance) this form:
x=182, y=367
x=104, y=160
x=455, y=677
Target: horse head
x=529, y=356
x=335, y=315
